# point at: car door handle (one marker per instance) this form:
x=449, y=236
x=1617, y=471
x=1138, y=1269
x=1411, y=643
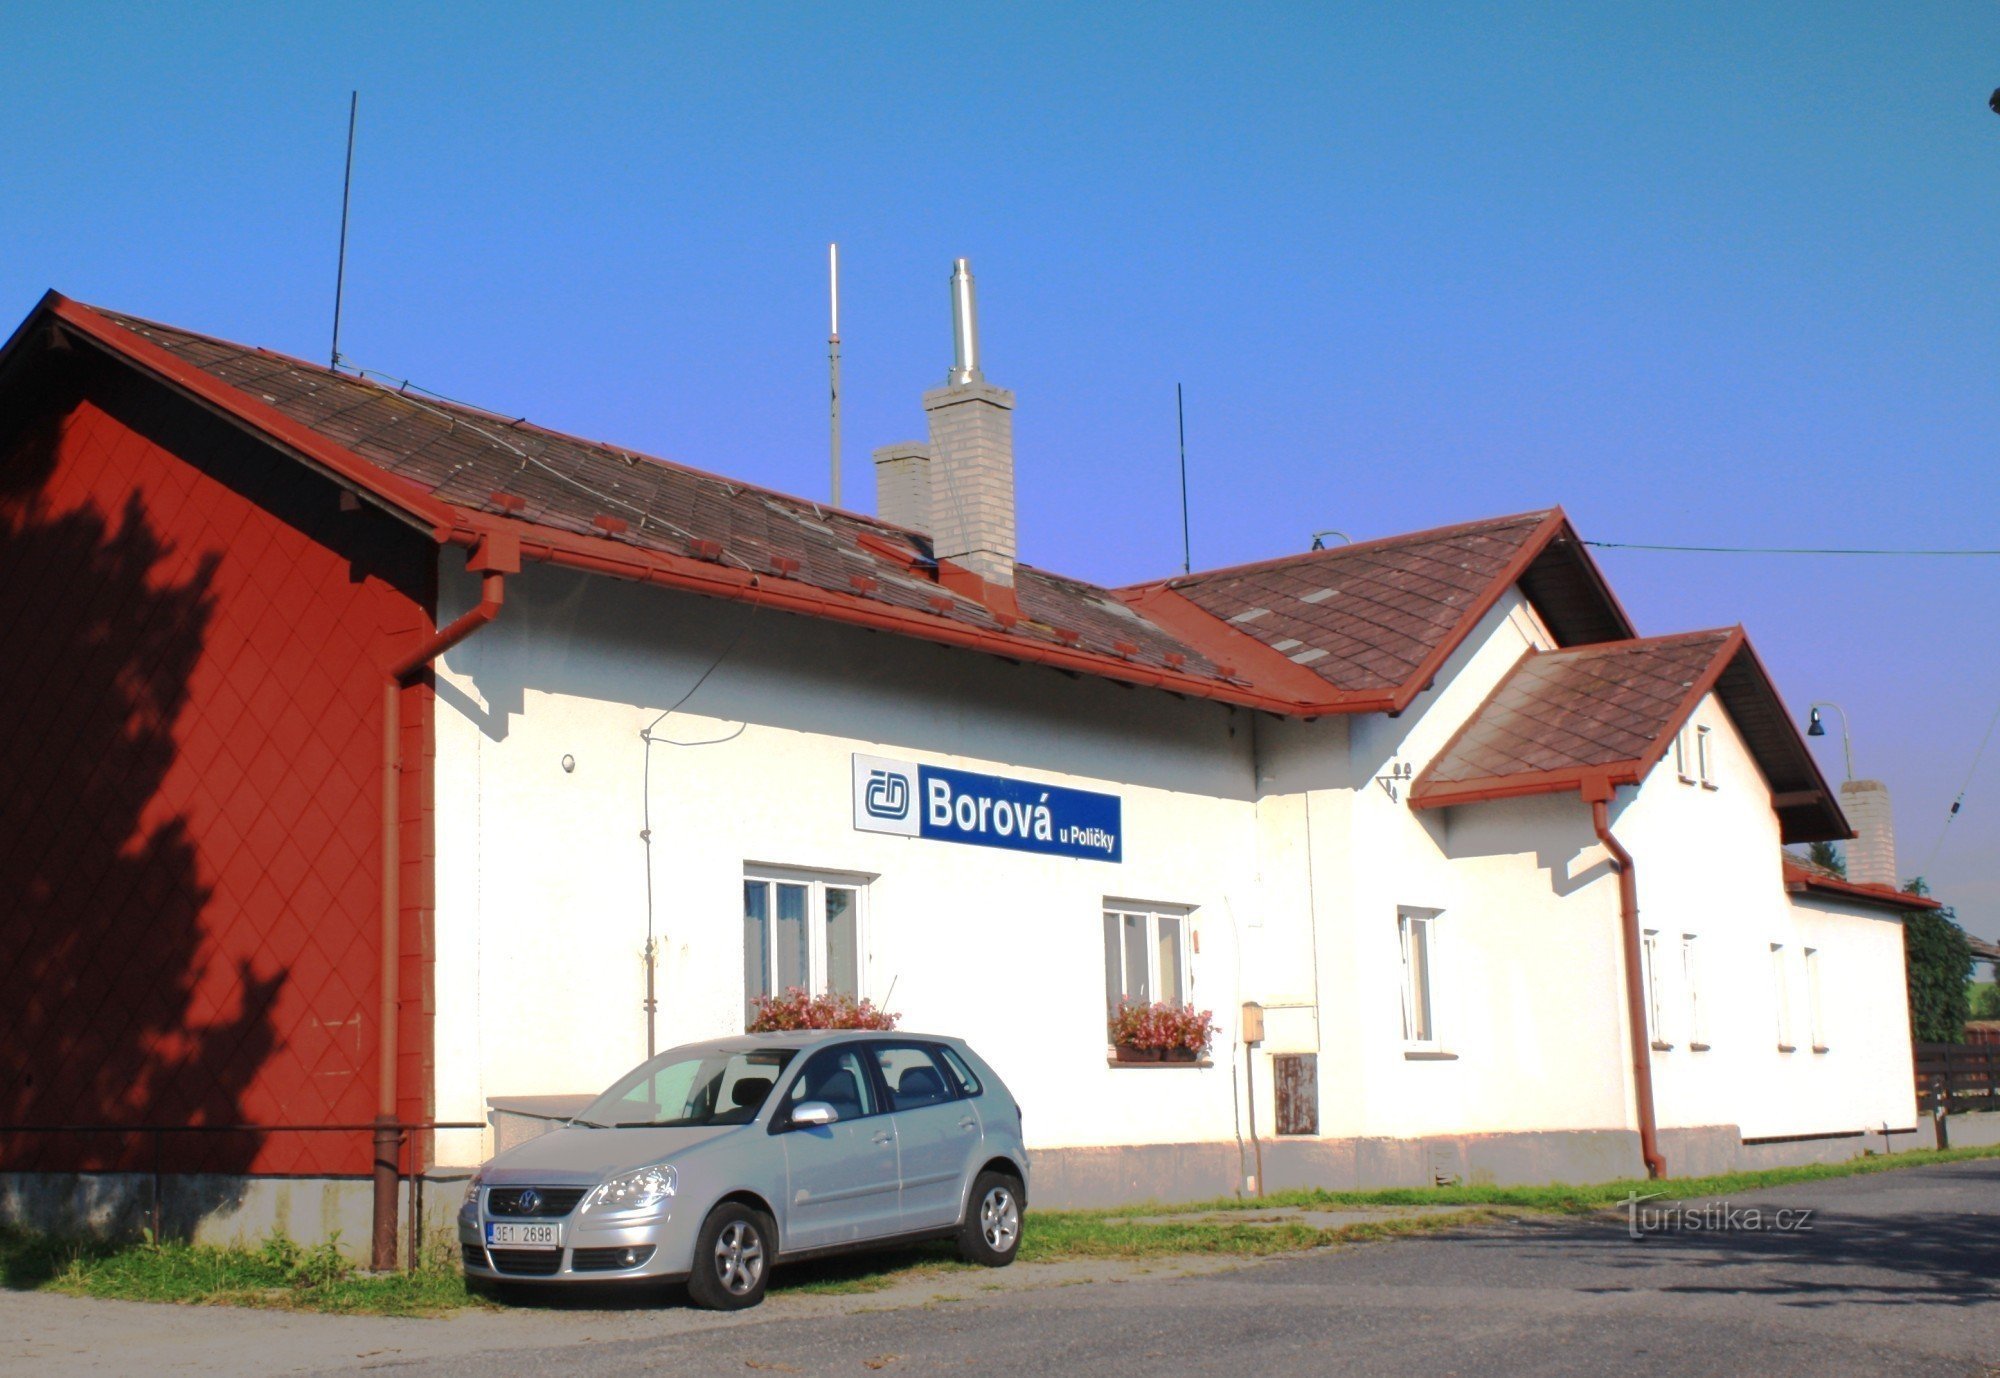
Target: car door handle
x=882, y=1137
x=968, y=1125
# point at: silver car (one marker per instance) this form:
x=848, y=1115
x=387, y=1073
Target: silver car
x=714, y=1161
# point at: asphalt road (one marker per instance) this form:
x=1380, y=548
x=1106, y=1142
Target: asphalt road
x=1899, y=1273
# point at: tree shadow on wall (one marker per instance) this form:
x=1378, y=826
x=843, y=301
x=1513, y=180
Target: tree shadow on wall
x=108, y=1015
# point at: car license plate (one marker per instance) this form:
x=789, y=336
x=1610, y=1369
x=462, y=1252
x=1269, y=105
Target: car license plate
x=520, y=1236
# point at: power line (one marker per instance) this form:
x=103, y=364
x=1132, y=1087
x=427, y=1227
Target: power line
x=1780, y=550
x=1984, y=741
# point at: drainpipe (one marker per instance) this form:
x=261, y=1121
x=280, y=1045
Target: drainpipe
x=1597, y=793
x=494, y=558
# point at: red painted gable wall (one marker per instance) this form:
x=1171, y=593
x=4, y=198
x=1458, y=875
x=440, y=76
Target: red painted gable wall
x=192, y=636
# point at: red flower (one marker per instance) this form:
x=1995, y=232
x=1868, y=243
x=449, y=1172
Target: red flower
x=1162, y=1026
x=796, y=1009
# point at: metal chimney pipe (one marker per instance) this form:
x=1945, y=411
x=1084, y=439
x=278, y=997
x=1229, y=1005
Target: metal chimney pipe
x=964, y=328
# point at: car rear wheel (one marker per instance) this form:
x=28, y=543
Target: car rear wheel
x=991, y=1232
x=732, y=1258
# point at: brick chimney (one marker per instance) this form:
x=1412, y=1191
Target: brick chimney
x=903, y=485
x=971, y=501
x=1871, y=856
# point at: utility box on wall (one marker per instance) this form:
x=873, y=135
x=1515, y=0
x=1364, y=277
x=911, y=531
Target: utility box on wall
x=1297, y=1077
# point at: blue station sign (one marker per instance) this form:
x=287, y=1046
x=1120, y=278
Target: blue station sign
x=985, y=810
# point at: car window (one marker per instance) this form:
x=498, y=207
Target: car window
x=961, y=1073
x=688, y=1087
x=913, y=1076
x=839, y=1077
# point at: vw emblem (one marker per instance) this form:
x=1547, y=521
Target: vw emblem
x=528, y=1202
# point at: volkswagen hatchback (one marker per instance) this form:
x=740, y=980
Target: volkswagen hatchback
x=715, y=1161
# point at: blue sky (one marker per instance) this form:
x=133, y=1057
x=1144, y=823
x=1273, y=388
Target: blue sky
x=1713, y=273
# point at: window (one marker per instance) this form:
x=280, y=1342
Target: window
x=1650, y=959
x=1416, y=929
x=1785, y=1044
x=1812, y=1000
x=800, y=931
x=1682, y=766
x=1691, y=983
x=681, y=1091
x=1145, y=956
x=838, y=1077
x=913, y=1076
x=968, y=1084
x=1704, y=756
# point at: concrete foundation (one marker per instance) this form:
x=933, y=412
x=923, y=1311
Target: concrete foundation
x=213, y=1208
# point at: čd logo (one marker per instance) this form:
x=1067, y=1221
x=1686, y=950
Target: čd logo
x=888, y=795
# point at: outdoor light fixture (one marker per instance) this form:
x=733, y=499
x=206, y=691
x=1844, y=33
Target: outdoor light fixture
x=1816, y=728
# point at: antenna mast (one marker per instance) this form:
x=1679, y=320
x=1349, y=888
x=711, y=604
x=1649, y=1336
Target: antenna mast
x=833, y=360
x=1180, y=418
x=340, y=269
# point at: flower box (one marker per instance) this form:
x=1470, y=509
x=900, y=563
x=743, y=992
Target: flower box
x=1160, y=1032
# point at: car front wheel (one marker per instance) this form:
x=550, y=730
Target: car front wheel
x=732, y=1258
x=991, y=1232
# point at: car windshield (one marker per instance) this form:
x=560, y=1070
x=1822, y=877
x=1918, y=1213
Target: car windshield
x=687, y=1087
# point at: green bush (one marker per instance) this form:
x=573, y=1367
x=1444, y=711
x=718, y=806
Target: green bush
x=1940, y=961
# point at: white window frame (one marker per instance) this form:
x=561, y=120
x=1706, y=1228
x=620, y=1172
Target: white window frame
x=1704, y=756
x=1691, y=981
x=1152, y=913
x=1410, y=918
x=1784, y=999
x=1649, y=949
x=1814, y=1009
x=816, y=884
x=1681, y=757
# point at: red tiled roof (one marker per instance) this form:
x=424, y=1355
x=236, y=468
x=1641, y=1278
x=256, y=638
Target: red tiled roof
x=1376, y=620
x=1609, y=712
x=1385, y=613
x=1801, y=875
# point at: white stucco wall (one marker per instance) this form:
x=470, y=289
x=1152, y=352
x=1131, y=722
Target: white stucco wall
x=541, y=874
x=1279, y=835
x=1709, y=865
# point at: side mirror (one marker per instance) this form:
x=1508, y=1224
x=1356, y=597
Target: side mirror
x=811, y=1114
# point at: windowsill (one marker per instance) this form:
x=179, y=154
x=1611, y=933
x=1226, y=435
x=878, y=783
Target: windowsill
x=1708, y=784
x=1428, y=1055
x=1788, y=1047
x=1697, y=1047
x=1820, y=1048
x=1157, y=1066
x=1662, y=1046
x=1687, y=779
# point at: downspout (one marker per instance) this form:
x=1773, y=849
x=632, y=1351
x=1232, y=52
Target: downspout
x=1597, y=793
x=494, y=558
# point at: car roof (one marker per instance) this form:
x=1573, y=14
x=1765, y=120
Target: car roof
x=813, y=1038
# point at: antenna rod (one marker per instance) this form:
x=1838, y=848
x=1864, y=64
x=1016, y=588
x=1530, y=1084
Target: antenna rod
x=833, y=359
x=346, y=186
x=1180, y=416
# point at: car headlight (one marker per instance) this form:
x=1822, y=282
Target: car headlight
x=635, y=1191
x=472, y=1189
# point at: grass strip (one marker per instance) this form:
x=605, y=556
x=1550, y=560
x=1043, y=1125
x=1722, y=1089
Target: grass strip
x=278, y=1275
x=1597, y=1195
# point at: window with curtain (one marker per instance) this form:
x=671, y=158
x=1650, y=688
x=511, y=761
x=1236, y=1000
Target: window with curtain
x=1145, y=955
x=802, y=930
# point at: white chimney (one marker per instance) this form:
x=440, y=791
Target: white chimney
x=1871, y=856
x=903, y=485
x=971, y=508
